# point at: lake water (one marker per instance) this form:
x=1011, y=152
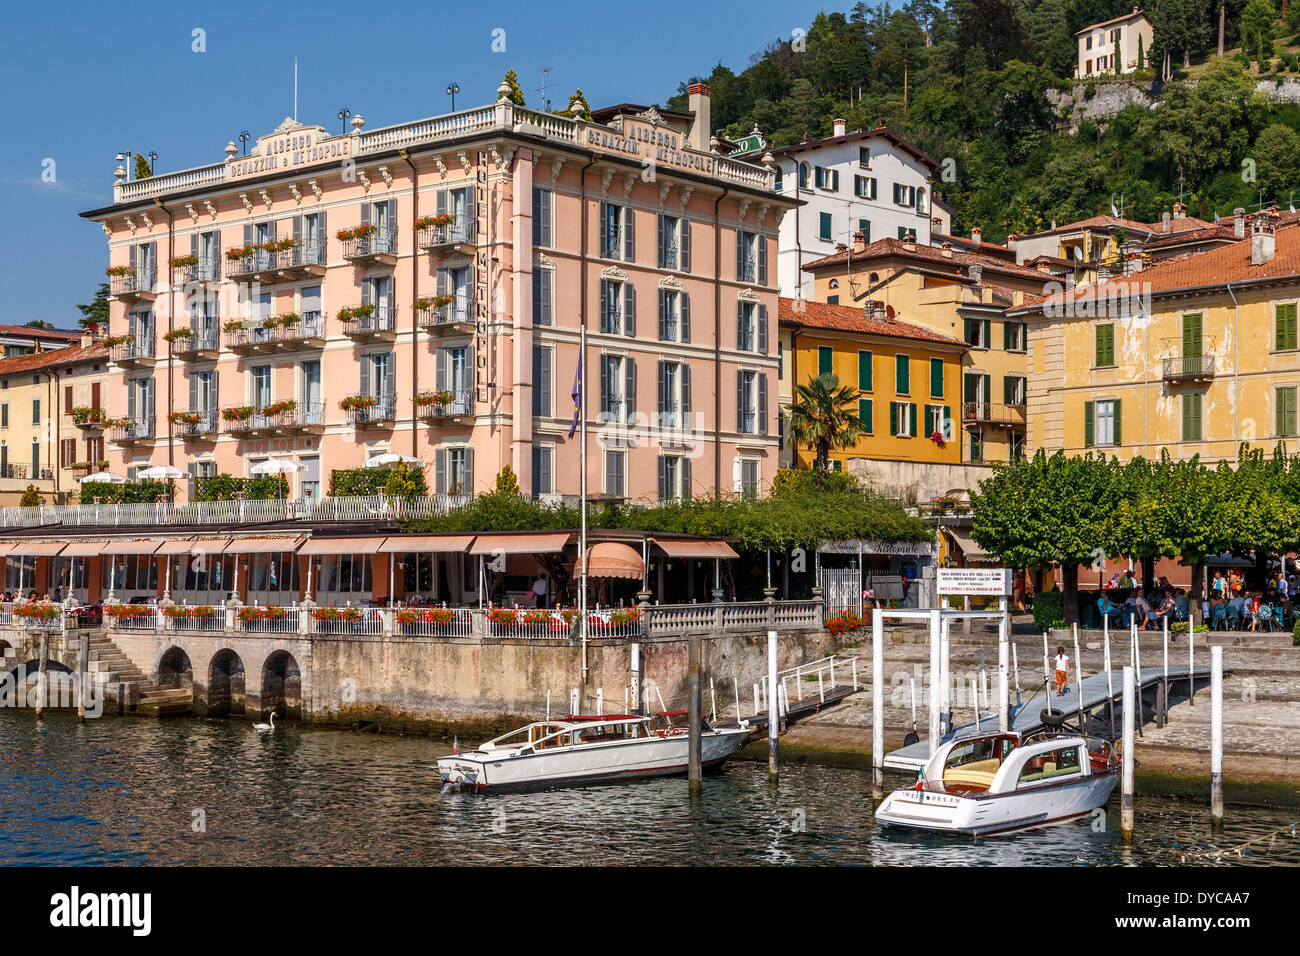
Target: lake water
x=119, y=791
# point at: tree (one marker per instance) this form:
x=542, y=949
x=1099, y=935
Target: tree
x=578, y=107
x=96, y=310
x=142, y=168
x=1277, y=152
x=1257, y=21
x=31, y=498
x=516, y=94
x=507, y=484
x=824, y=416
x=404, y=481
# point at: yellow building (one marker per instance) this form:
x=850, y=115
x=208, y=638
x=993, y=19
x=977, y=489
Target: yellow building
x=959, y=294
x=1193, y=355
x=42, y=444
x=908, y=381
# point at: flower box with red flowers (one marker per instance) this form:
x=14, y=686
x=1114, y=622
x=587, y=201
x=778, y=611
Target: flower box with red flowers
x=38, y=610
x=356, y=232
x=348, y=614
x=409, y=616
x=120, y=612
x=844, y=621
x=503, y=616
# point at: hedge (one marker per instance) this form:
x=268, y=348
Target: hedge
x=129, y=493
x=224, y=487
x=373, y=481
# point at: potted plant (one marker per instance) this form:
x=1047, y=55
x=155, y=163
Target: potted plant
x=183, y=262
x=503, y=616
x=233, y=325
x=118, y=271
x=238, y=413
x=280, y=407
x=85, y=415
x=425, y=222
x=348, y=313
x=356, y=232
x=176, y=335
x=185, y=418
x=113, y=341
x=38, y=610
x=357, y=402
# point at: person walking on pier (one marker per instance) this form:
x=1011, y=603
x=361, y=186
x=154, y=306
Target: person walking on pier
x=1062, y=671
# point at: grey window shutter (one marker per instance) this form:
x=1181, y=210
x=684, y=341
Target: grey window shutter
x=467, y=486
x=684, y=244
x=663, y=389
x=604, y=230
x=392, y=306
x=762, y=403
x=365, y=375
x=365, y=291
x=440, y=370
x=537, y=379
x=740, y=325
x=440, y=471
x=546, y=217
x=471, y=215
x=740, y=255
x=442, y=282
x=629, y=398
x=547, y=276
x=248, y=234
x=684, y=321
x=686, y=391
x=761, y=242
x=663, y=479
x=762, y=328
x=740, y=401
x=440, y=202
x=684, y=464
x=604, y=305
x=297, y=232
x=663, y=315
x=629, y=234
x=537, y=295
x=194, y=244
x=194, y=391
x=629, y=310
x=659, y=236
x=131, y=387
x=365, y=214
x=390, y=380
x=604, y=385
x=392, y=219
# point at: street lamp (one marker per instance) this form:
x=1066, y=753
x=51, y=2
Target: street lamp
x=344, y=113
x=244, y=137
x=452, y=90
x=153, y=160
x=125, y=157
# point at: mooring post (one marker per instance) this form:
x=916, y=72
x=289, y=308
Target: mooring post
x=1126, y=780
x=695, y=702
x=1191, y=662
x=1110, y=678
x=1015, y=666
x=1137, y=672
x=936, y=699
x=1078, y=679
x=773, y=718
x=638, y=705
x=945, y=674
x=877, y=704
x=40, y=675
x=83, y=678
x=1047, y=669
x=1004, y=684
x=1216, y=735
x=1164, y=682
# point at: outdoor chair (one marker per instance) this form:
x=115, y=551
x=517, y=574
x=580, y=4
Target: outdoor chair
x=1218, y=617
x=1266, y=617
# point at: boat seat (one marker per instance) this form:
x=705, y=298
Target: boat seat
x=968, y=777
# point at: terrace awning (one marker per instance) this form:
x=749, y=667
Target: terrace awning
x=609, y=559
x=415, y=543
x=265, y=545
x=6, y=547
x=694, y=548
x=967, y=544
x=546, y=542
x=341, y=546
x=84, y=549
x=131, y=546
x=37, y=549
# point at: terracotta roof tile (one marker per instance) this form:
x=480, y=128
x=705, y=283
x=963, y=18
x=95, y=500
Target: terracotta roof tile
x=52, y=357
x=27, y=331
x=957, y=264
x=843, y=318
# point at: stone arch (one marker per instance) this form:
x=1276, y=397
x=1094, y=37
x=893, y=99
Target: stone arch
x=282, y=686
x=174, y=669
x=225, y=696
x=20, y=689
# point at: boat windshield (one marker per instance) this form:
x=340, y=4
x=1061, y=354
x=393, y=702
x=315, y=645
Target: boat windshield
x=972, y=764
x=1052, y=763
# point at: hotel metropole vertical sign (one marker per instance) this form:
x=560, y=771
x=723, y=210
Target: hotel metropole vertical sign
x=482, y=292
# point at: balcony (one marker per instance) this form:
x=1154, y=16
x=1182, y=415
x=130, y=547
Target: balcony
x=285, y=417
x=368, y=323
x=281, y=333
x=130, y=351
x=444, y=315
x=1188, y=368
x=370, y=246
x=456, y=236
x=195, y=425
x=134, y=286
x=370, y=411
x=196, y=346
x=25, y=472
x=302, y=261
x=251, y=263
x=993, y=413
x=748, y=270
x=90, y=420
x=130, y=433
x=207, y=269
x=446, y=406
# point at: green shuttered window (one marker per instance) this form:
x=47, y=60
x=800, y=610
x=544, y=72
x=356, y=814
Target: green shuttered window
x=864, y=371
x=1285, y=321
x=936, y=378
x=1105, y=348
x=1286, y=411
x=902, y=375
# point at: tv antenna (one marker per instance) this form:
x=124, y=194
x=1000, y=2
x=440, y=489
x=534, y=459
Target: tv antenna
x=546, y=104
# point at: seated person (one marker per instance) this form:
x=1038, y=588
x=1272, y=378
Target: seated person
x=1163, y=612
x=1182, y=605
x=1110, y=610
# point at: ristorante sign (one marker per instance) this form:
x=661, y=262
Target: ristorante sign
x=651, y=143
x=290, y=150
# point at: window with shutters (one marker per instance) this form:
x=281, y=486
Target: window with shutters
x=749, y=477
x=1104, y=351
x=543, y=200
x=543, y=469
x=750, y=402
x=1285, y=401
x=826, y=178
x=902, y=419
x=616, y=473
x=938, y=419
x=674, y=243
x=4, y=415
x=751, y=330
x=864, y=187
x=1193, y=334
x=1013, y=336
x=976, y=444
x=902, y=375
x=864, y=227
x=260, y=385
x=864, y=371
x=907, y=232
x=543, y=397
x=67, y=452
x=936, y=378
x=209, y=253
x=674, y=403
x=976, y=332
x=825, y=360
x=864, y=157
x=1105, y=427
x=1284, y=320
x=674, y=316
x=674, y=478
x=617, y=232
x=617, y=308
x=751, y=257
x=866, y=416
x=458, y=479
x=613, y=383
x=36, y=411
x=1192, y=416
x=1013, y=390
x=824, y=227
x=1016, y=451
x=543, y=295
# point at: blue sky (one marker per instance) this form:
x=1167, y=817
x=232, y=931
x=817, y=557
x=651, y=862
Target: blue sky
x=85, y=81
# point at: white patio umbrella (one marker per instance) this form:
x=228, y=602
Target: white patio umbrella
x=110, y=477
x=391, y=458
x=161, y=472
x=276, y=466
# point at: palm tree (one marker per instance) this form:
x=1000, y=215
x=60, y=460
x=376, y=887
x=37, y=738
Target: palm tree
x=824, y=416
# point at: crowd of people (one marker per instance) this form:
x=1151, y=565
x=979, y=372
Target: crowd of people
x=1227, y=604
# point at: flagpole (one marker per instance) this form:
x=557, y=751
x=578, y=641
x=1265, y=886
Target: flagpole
x=582, y=458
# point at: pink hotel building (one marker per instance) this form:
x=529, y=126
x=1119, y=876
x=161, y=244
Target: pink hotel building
x=420, y=289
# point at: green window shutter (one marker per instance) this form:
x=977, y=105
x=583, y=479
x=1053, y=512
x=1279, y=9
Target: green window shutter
x=1286, y=327
x=969, y=382
x=864, y=414
x=1105, y=345
x=1187, y=417
x=823, y=360
x=1192, y=416
x=1118, y=436
x=1008, y=387
x=987, y=339
x=1006, y=336
x=902, y=375
x=988, y=388
x=837, y=465
x=929, y=420
x=1089, y=424
x=966, y=330
x=911, y=417
x=1192, y=334
x=1286, y=411
x=936, y=377
x=947, y=423
x=864, y=371
x=893, y=418
x=1197, y=416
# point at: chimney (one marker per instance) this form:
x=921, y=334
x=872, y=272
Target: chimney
x=697, y=99
x=977, y=274
x=945, y=250
x=859, y=242
x=975, y=235
x=1164, y=222
x=1180, y=210
x=1044, y=267
x=1239, y=223
x=1263, y=242
x=1103, y=274
x=874, y=309
x=1131, y=255
x=839, y=125
x=87, y=340
x=841, y=247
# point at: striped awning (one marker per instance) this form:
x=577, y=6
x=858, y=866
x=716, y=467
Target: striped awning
x=263, y=545
x=415, y=543
x=37, y=549
x=545, y=542
x=340, y=546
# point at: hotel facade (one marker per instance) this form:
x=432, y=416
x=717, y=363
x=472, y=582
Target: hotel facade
x=423, y=288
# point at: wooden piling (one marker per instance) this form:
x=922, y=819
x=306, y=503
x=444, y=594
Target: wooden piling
x=1004, y=683
x=1216, y=735
x=877, y=705
x=773, y=718
x=40, y=674
x=695, y=701
x=83, y=678
x=1191, y=662
x=936, y=698
x=1126, y=780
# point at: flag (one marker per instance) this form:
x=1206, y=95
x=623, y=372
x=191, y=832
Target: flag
x=1216, y=217
x=455, y=744
x=1113, y=211
x=1293, y=207
x=577, y=396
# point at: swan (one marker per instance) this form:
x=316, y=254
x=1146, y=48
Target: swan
x=263, y=728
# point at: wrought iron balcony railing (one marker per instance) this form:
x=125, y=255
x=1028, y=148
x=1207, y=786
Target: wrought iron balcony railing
x=459, y=232
x=131, y=432
x=138, y=348
x=994, y=413
x=142, y=282
x=204, y=427
x=372, y=409
x=1188, y=368
x=449, y=403
x=376, y=323
x=381, y=242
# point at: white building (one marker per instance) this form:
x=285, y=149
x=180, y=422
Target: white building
x=1112, y=46
x=870, y=181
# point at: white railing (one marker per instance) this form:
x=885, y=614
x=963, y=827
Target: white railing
x=190, y=620
x=264, y=619
x=668, y=620
x=821, y=673
x=452, y=622
x=346, y=620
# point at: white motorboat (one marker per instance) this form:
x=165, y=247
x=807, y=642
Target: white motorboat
x=578, y=750
x=998, y=783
